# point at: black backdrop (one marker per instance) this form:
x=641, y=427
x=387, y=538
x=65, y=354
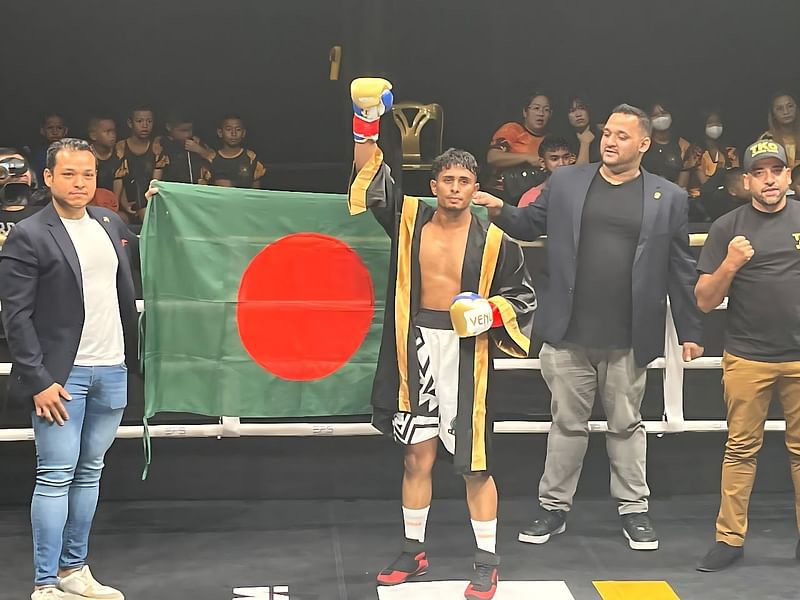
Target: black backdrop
x=268, y=60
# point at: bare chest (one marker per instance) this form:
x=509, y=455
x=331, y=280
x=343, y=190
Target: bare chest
x=441, y=256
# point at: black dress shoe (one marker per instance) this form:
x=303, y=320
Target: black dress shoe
x=721, y=556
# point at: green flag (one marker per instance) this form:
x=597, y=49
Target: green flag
x=260, y=304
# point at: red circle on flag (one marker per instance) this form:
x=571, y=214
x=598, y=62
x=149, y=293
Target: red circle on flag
x=305, y=306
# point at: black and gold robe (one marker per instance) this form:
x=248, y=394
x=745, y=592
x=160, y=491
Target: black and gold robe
x=493, y=267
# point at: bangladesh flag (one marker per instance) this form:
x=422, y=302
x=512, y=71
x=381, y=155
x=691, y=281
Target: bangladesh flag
x=260, y=304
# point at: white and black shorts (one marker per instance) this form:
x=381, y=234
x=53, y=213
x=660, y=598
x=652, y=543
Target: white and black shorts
x=438, y=349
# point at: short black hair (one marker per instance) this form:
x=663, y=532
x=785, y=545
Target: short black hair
x=553, y=142
x=454, y=158
x=141, y=108
x=53, y=113
x=644, y=119
x=229, y=116
x=71, y=144
x=94, y=121
x=178, y=117
x=535, y=94
x=578, y=98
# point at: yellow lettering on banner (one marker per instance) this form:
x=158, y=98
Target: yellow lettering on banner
x=635, y=590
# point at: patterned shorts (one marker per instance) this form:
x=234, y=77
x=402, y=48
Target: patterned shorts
x=438, y=354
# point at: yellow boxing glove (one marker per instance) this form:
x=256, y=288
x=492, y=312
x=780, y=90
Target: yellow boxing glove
x=372, y=97
x=472, y=314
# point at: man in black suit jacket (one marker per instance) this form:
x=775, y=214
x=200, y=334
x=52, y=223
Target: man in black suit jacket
x=617, y=245
x=69, y=311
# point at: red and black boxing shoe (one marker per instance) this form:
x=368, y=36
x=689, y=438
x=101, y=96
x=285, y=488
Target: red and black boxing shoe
x=412, y=562
x=483, y=585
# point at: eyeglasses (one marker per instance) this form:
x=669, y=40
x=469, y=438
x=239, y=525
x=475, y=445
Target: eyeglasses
x=775, y=171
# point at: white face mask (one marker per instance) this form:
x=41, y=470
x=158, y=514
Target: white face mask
x=662, y=123
x=714, y=131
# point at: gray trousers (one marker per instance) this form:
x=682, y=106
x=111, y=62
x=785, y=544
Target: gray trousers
x=574, y=375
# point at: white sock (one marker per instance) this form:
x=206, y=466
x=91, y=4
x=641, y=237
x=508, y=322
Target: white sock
x=415, y=520
x=485, y=534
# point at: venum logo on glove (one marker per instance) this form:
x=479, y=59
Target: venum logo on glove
x=478, y=320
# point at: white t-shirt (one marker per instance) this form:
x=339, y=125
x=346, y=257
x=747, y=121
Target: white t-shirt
x=102, y=343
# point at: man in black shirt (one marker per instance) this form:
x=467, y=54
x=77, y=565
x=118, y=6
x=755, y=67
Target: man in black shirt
x=617, y=244
x=752, y=255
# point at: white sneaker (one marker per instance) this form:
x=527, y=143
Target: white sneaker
x=83, y=585
x=52, y=593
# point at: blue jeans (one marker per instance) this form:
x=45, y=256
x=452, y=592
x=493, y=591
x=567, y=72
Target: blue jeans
x=69, y=461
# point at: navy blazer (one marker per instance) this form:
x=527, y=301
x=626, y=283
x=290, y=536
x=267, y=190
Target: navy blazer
x=662, y=265
x=42, y=298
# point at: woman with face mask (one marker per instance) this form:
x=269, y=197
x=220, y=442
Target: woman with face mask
x=717, y=155
x=670, y=156
x=586, y=139
x=784, y=126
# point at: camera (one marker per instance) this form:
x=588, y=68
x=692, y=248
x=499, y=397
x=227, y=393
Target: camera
x=12, y=166
x=17, y=193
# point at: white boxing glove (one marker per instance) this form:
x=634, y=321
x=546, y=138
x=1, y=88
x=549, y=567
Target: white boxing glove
x=471, y=314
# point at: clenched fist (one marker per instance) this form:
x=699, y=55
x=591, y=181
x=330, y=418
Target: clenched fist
x=740, y=251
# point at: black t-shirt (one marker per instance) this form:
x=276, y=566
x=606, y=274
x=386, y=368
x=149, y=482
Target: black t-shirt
x=602, y=309
x=182, y=166
x=764, y=297
x=107, y=171
x=9, y=218
x=718, y=202
x=136, y=170
x=242, y=171
x=665, y=160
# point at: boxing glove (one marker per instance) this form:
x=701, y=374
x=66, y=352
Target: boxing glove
x=372, y=97
x=472, y=315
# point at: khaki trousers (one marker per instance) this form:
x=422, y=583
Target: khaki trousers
x=749, y=387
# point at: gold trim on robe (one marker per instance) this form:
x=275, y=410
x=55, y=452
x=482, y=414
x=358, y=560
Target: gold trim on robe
x=357, y=196
x=402, y=298
x=522, y=343
x=491, y=251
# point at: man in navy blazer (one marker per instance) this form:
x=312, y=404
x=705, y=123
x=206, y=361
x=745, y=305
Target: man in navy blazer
x=69, y=311
x=617, y=246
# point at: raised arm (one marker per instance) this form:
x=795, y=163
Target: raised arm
x=372, y=186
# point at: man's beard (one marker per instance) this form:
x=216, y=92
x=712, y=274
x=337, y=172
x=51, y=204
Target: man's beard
x=763, y=202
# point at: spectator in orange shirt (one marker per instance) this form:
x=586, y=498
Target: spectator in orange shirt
x=515, y=145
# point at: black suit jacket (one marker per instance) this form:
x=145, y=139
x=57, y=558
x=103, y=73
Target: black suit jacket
x=42, y=298
x=663, y=264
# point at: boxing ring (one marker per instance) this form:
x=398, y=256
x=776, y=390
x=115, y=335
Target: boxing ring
x=249, y=538
x=671, y=364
